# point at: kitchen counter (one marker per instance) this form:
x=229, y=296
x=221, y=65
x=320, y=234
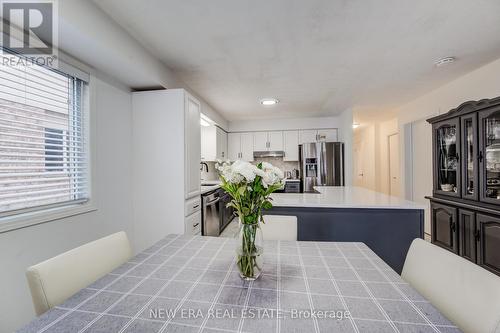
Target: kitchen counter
x=342, y=197
x=386, y=224
x=208, y=188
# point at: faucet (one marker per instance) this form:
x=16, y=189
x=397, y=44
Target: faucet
x=203, y=166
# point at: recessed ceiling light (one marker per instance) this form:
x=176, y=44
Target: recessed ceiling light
x=355, y=125
x=269, y=101
x=444, y=61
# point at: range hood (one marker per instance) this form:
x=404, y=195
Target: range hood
x=266, y=153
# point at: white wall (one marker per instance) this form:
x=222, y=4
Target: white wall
x=22, y=248
x=284, y=124
x=479, y=84
x=346, y=136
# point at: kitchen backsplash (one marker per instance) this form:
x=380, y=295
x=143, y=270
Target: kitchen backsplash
x=211, y=174
x=276, y=161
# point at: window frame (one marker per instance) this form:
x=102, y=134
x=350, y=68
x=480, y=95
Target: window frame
x=36, y=215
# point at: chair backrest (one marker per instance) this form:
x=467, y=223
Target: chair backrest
x=53, y=281
x=466, y=294
x=278, y=227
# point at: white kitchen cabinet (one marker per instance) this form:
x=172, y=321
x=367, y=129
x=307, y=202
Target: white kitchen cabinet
x=192, y=146
x=327, y=135
x=260, y=141
x=275, y=140
x=308, y=136
x=166, y=151
x=268, y=141
x=193, y=224
x=213, y=143
x=208, y=143
x=234, y=146
x=240, y=146
x=291, y=146
x=221, y=139
x=246, y=147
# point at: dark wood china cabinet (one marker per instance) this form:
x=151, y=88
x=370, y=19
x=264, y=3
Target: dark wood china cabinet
x=465, y=205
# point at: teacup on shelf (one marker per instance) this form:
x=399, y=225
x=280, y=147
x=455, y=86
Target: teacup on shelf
x=447, y=187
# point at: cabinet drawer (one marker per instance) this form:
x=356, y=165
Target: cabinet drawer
x=192, y=205
x=193, y=224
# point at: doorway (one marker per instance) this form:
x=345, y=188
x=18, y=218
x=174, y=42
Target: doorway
x=394, y=174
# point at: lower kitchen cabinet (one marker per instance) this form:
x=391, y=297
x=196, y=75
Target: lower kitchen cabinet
x=488, y=243
x=444, y=226
x=467, y=234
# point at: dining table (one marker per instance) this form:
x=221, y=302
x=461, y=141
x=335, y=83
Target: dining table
x=189, y=283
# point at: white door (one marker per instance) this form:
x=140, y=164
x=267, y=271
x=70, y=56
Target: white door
x=291, y=145
x=328, y=135
x=233, y=146
x=192, y=147
x=275, y=140
x=394, y=177
x=308, y=136
x=260, y=141
x=247, y=146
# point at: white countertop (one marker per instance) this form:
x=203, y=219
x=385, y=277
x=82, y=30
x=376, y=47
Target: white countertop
x=342, y=197
x=207, y=188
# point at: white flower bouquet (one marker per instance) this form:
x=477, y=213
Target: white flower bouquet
x=250, y=187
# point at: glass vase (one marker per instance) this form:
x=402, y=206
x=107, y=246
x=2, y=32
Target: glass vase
x=249, y=251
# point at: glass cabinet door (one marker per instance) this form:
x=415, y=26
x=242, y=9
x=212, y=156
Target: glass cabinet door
x=447, y=158
x=490, y=156
x=469, y=158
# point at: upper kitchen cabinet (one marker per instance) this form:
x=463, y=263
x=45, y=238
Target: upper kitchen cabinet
x=268, y=141
x=213, y=143
x=240, y=146
x=291, y=146
x=221, y=138
x=326, y=135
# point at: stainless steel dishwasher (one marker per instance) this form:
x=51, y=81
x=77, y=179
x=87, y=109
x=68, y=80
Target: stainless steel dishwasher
x=210, y=214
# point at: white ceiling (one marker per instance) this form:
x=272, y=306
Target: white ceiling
x=318, y=57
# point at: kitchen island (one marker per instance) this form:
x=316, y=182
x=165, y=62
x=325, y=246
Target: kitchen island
x=385, y=223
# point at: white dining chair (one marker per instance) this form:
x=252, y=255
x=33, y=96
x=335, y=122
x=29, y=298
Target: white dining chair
x=53, y=281
x=465, y=293
x=279, y=227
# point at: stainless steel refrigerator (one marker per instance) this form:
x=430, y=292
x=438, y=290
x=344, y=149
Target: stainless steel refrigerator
x=321, y=164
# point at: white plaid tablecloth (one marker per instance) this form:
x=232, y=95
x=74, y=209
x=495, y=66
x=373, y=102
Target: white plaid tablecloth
x=191, y=284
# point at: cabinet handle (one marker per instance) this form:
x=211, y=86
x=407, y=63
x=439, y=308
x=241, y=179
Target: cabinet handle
x=457, y=157
x=480, y=156
x=477, y=235
x=453, y=226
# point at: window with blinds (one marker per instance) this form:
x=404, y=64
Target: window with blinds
x=43, y=143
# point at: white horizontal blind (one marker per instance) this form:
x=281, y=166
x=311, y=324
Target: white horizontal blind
x=43, y=146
